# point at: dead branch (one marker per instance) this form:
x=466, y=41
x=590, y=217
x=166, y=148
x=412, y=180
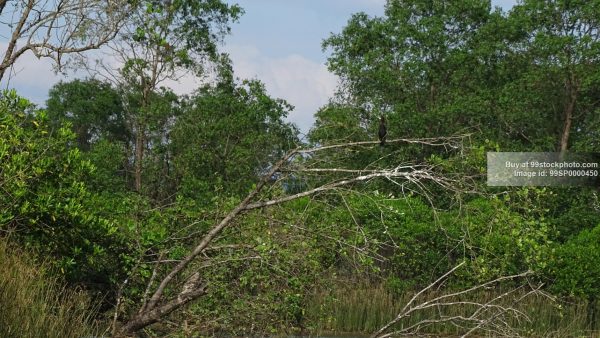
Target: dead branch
x=414, y=177
x=487, y=316
x=54, y=29
x=452, y=142
x=157, y=307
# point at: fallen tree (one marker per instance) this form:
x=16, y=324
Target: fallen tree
x=158, y=304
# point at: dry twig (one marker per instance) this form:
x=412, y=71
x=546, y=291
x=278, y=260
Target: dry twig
x=486, y=316
x=158, y=307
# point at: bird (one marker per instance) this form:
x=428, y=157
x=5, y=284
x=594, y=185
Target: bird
x=382, y=131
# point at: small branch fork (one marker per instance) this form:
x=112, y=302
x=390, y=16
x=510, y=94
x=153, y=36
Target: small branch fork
x=486, y=316
x=157, y=307
x=53, y=29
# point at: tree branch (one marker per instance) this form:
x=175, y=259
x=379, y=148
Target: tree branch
x=152, y=311
x=450, y=142
x=216, y=230
x=444, y=301
x=63, y=27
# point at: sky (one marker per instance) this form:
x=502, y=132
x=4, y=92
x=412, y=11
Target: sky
x=275, y=41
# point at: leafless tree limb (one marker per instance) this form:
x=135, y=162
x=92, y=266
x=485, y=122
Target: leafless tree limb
x=452, y=142
x=54, y=29
x=486, y=316
x=157, y=306
x=151, y=281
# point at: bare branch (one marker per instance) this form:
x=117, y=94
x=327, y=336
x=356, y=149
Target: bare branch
x=153, y=309
x=486, y=316
x=452, y=142
x=403, y=311
x=413, y=176
x=149, y=315
x=53, y=29
x=9, y=58
x=151, y=281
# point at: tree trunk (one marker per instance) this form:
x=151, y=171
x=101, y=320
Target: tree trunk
x=152, y=316
x=127, y=165
x=139, y=156
x=572, y=91
x=2, y=5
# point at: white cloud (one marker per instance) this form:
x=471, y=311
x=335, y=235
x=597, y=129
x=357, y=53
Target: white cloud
x=304, y=83
x=185, y=84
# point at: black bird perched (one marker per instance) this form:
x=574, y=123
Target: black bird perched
x=382, y=131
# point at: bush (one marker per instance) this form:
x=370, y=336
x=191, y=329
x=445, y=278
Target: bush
x=46, y=205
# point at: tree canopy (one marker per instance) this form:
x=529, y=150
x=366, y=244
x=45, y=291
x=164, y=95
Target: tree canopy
x=207, y=214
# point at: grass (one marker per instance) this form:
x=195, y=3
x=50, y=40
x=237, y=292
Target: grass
x=34, y=304
x=367, y=308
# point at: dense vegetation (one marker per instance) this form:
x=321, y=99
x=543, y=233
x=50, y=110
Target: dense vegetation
x=114, y=186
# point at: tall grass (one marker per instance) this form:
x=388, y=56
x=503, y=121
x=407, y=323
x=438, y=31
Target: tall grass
x=367, y=308
x=34, y=304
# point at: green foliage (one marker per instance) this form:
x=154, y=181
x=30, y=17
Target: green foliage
x=501, y=239
x=438, y=68
x=46, y=203
x=182, y=30
x=432, y=68
x=93, y=109
x=228, y=135
x=573, y=267
x=412, y=64
x=338, y=123
x=175, y=35
x=259, y=273
x=573, y=210
x=169, y=38
x=109, y=159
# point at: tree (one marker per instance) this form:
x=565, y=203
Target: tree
x=167, y=297
x=526, y=79
x=96, y=114
x=574, y=270
x=153, y=162
x=58, y=29
x=228, y=135
x=562, y=41
x=416, y=63
x=93, y=109
x=47, y=205
x=164, y=40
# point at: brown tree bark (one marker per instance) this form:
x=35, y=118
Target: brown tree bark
x=2, y=5
x=153, y=316
x=140, y=137
x=139, y=156
x=572, y=89
x=159, y=305
x=10, y=56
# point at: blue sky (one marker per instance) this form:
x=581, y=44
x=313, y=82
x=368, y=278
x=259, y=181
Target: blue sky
x=276, y=41
x=279, y=42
